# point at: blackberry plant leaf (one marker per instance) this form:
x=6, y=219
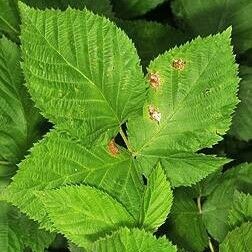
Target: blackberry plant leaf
x=82, y=80
x=9, y=18
x=19, y=119
x=84, y=213
x=206, y=17
x=152, y=38
x=238, y=240
x=241, y=210
x=188, y=106
x=242, y=122
x=17, y=232
x=134, y=240
x=216, y=208
x=102, y=7
x=132, y=8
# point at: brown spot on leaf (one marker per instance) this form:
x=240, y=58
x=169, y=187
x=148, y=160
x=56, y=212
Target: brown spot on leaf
x=154, y=80
x=179, y=64
x=154, y=113
x=112, y=147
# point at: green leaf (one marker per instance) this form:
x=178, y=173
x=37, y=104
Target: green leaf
x=238, y=240
x=60, y=160
x=206, y=17
x=83, y=213
x=157, y=199
x=19, y=119
x=217, y=206
x=9, y=18
x=85, y=76
x=242, y=121
x=194, y=104
x=185, y=225
x=132, y=8
x=102, y=7
x=151, y=38
x=241, y=210
x=134, y=240
x=17, y=232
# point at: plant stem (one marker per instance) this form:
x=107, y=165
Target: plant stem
x=200, y=211
x=210, y=245
x=2, y=162
x=125, y=140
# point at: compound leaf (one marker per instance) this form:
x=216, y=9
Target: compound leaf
x=188, y=106
x=242, y=121
x=206, y=17
x=134, y=240
x=238, y=240
x=85, y=76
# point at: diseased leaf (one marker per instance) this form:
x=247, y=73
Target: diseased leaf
x=134, y=240
x=185, y=225
x=83, y=80
x=60, y=160
x=132, y=8
x=241, y=210
x=19, y=119
x=84, y=213
x=217, y=206
x=206, y=17
x=188, y=108
x=157, y=200
x=152, y=38
x=238, y=240
x=9, y=18
x=17, y=232
x=242, y=121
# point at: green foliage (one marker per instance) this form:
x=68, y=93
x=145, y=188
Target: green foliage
x=238, y=240
x=242, y=122
x=206, y=17
x=17, y=232
x=134, y=240
x=132, y=8
x=119, y=145
x=152, y=38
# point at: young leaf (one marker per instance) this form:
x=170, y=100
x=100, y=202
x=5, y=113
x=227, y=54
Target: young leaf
x=19, y=119
x=157, y=199
x=206, y=17
x=152, y=38
x=102, y=7
x=83, y=213
x=217, y=206
x=85, y=76
x=9, y=18
x=238, y=240
x=189, y=108
x=241, y=210
x=134, y=240
x=185, y=225
x=242, y=121
x=132, y=8
x=17, y=232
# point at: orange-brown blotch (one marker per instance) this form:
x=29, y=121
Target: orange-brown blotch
x=179, y=64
